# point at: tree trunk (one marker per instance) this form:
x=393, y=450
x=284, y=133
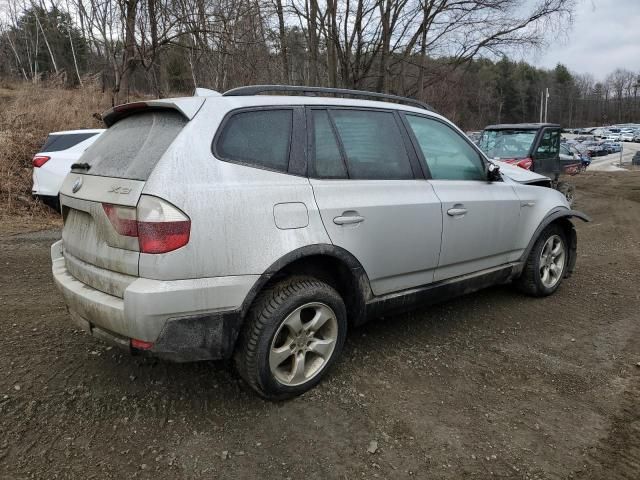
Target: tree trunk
x=121, y=89
x=385, y=18
x=156, y=69
x=46, y=42
x=283, y=43
x=313, y=42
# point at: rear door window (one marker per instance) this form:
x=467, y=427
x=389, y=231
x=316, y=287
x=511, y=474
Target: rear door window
x=259, y=137
x=133, y=146
x=328, y=161
x=63, y=141
x=373, y=145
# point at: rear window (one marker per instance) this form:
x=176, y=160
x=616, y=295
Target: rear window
x=133, y=146
x=261, y=138
x=58, y=142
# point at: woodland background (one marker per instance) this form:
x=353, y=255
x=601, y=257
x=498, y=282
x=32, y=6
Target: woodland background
x=452, y=54
x=63, y=62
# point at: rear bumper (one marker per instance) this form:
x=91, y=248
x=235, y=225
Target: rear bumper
x=185, y=320
x=46, y=182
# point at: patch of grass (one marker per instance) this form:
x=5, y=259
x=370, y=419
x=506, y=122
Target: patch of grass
x=28, y=113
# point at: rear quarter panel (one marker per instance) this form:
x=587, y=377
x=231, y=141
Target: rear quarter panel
x=231, y=207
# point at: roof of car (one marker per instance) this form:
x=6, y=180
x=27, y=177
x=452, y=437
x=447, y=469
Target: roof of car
x=520, y=126
x=189, y=106
x=260, y=100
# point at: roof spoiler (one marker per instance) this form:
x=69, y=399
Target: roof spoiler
x=206, y=92
x=188, y=107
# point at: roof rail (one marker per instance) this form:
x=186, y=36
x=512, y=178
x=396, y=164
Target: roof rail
x=258, y=89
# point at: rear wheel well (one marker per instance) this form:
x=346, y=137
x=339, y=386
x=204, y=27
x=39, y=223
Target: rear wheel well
x=351, y=284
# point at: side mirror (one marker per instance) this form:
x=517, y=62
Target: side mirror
x=493, y=173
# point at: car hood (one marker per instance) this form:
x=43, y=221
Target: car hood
x=518, y=174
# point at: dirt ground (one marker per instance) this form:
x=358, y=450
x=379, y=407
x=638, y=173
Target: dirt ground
x=492, y=385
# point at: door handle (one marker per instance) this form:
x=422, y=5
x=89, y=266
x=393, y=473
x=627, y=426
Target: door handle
x=348, y=219
x=456, y=211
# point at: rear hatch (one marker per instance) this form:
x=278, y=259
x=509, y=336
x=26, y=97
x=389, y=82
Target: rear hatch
x=100, y=195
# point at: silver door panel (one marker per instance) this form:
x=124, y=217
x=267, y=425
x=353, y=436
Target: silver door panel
x=480, y=221
x=393, y=228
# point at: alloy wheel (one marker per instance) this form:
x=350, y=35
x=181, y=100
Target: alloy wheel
x=303, y=344
x=552, y=260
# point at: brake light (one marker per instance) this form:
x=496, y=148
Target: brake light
x=130, y=107
x=141, y=344
x=159, y=226
x=40, y=160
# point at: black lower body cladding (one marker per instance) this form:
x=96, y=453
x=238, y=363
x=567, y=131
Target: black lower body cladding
x=209, y=336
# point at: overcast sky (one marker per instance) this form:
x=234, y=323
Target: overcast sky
x=605, y=36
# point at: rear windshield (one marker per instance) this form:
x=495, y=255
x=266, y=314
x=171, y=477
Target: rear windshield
x=133, y=146
x=62, y=141
x=507, y=143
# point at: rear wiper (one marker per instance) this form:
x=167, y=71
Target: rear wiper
x=80, y=166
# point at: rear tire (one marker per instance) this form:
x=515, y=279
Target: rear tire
x=546, y=264
x=293, y=334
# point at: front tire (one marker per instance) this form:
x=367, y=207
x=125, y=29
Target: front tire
x=293, y=334
x=546, y=264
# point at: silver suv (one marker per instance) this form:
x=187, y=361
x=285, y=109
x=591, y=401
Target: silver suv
x=263, y=227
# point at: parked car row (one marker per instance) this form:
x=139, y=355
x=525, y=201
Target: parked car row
x=629, y=133
x=591, y=147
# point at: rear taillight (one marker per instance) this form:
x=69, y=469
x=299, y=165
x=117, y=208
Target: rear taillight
x=40, y=160
x=159, y=226
x=123, y=219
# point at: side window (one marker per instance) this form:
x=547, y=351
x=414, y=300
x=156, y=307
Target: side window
x=260, y=137
x=448, y=155
x=372, y=144
x=549, y=144
x=327, y=158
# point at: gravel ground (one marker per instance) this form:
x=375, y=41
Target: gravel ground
x=491, y=385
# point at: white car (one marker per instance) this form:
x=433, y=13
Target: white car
x=612, y=137
x=53, y=162
x=626, y=137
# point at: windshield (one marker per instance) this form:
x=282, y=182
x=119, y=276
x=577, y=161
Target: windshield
x=507, y=143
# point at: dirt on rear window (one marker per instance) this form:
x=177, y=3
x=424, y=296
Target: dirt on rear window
x=133, y=146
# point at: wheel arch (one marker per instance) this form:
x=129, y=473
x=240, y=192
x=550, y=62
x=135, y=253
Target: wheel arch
x=562, y=217
x=329, y=263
